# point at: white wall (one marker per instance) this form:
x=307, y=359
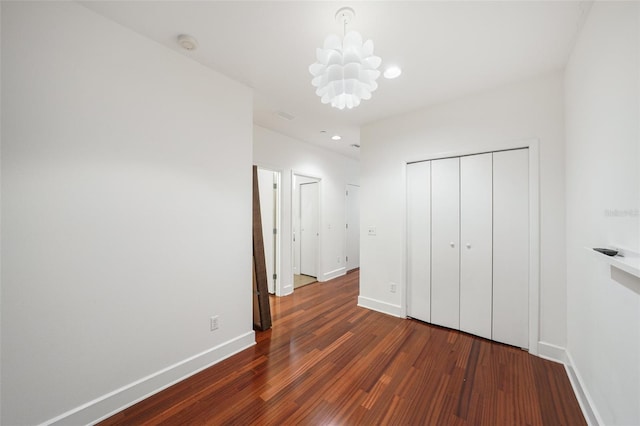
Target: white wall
x=603, y=163
x=126, y=214
x=1, y=117
x=516, y=112
x=279, y=152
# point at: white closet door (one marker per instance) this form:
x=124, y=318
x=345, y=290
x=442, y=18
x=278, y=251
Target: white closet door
x=475, y=244
x=445, y=237
x=353, y=227
x=511, y=247
x=309, y=227
x=419, y=241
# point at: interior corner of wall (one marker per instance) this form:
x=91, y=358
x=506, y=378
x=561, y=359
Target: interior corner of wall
x=380, y=306
x=552, y=352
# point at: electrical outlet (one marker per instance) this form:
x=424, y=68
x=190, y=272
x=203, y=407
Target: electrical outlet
x=371, y=231
x=338, y=260
x=214, y=322
x=393, y=287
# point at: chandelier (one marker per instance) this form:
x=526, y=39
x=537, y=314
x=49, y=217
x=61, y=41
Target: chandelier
x=346, y=69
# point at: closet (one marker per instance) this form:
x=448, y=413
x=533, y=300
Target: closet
x=468, y=244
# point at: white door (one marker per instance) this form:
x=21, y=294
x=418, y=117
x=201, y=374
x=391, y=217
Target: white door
x=419, y=240
x=353, y=227
x=266, y=181
x=445, y=237
x=511, y=247
x=476, y=244
x=309, y=228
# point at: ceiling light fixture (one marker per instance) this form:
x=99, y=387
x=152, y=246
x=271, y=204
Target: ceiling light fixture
x=392, y=72
x=336, y=137
x=346, y=69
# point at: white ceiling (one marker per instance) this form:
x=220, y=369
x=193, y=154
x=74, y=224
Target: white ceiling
x=446, y=50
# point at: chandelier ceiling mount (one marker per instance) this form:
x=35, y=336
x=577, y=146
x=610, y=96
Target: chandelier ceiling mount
x=345, y=15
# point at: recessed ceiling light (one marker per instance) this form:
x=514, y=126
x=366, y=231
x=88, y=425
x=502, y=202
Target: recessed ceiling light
x=336, y=137
x=392, y=72
x=187, y=42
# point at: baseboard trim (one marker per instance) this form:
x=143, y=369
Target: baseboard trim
x=333, y=274
x=286, y=290
x=107, y=405
x=559, y=354
x=379, y=306
x=589, y=410
x=552, y=352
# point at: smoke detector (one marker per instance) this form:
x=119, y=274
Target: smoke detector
x=187, y=42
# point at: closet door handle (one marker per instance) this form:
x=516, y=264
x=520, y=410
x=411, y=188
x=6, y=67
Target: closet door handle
x=452, y=244
x=468, y=245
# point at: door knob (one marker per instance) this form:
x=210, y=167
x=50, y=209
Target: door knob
x=468, y=245
x=452, y=244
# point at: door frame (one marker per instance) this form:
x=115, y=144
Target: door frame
x=278, y=218
x=319, y=257
x=534, y=226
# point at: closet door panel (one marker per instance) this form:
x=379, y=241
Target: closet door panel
x=511, y=247
x=476, y=244
x=419, y=240
x=445, y=237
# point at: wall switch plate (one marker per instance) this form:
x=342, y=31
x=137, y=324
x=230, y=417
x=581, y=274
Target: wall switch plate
x=214, y=322
x=371, y=231
x=393, y=287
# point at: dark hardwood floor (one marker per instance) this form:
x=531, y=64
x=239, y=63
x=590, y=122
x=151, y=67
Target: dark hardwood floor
x=327, y=361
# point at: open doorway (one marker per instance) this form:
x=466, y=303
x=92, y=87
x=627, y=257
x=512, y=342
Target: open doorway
x=269, y=188
x=306, y=229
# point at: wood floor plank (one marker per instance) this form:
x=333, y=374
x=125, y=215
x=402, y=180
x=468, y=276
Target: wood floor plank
x=328, y=361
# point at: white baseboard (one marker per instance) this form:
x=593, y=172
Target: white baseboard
x=333, y=274
x=561, y=355
x=286, y=290
x=552, y=352
x=107, y=405
x=377, y=305
x=589, y=410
